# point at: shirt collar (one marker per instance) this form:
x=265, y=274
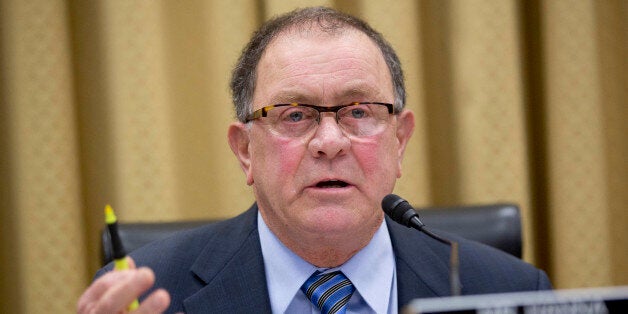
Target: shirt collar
x=371, y=270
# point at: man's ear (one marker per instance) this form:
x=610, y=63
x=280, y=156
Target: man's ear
x=238, y=136
x=405, y=128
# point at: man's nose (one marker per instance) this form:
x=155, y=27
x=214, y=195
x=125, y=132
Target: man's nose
x=329, y=140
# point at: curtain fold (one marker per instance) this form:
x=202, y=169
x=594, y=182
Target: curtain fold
x=41, y=161
x=127, y=103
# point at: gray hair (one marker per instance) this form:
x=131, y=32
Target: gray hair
x=244, y=74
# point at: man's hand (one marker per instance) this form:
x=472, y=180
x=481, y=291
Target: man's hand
x=114, y=291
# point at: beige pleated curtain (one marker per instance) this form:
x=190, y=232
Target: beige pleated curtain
x=126, y=103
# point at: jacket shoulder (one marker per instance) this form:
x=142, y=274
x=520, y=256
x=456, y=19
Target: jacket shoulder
x=483, y=269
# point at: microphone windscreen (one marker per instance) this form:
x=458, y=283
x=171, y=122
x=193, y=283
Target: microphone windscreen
x=397, y=208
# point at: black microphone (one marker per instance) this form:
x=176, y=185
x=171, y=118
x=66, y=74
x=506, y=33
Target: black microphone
x=403, y=213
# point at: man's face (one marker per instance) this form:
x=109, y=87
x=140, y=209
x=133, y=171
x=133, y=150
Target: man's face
x=325, y=183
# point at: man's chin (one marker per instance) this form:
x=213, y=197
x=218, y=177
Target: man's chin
x=334, y=219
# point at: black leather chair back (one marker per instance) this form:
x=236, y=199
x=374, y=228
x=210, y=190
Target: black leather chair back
x=497, y=225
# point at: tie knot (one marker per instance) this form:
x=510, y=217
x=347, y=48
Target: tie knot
x=329, y=292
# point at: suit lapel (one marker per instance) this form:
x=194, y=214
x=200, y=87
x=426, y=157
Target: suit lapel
x=232, y=267
x=422, y=267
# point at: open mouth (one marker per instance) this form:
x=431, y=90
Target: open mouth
x=332, y=184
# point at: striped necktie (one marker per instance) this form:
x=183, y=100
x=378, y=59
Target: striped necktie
x=329, y=292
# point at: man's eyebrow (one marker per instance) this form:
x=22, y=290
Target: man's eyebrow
x=357, y=92
x=361, y=92
x=294, y=94
x=289, y=97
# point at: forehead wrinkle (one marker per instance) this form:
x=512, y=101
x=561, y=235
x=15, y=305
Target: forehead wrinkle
x=320, y=65
x=336, y=83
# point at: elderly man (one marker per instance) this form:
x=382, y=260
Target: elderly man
x=321, y=135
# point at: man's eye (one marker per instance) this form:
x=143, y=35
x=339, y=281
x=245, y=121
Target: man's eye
x=358, y=113
x=296, y=116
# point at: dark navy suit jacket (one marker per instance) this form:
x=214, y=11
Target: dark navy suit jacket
x=219, y=268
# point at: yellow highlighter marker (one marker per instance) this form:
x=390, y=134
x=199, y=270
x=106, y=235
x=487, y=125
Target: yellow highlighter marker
x=119, y=255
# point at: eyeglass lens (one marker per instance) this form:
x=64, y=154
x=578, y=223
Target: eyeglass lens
x=356, y=120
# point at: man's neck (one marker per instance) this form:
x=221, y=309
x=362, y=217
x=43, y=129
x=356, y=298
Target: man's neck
x=325, y=250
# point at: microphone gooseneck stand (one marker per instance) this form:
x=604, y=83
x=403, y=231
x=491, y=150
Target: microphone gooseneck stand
x=403, y=213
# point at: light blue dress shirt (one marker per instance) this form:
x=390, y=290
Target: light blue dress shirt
x=371, y=270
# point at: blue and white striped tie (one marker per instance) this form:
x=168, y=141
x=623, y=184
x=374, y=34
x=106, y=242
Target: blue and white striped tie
x=329, y=292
